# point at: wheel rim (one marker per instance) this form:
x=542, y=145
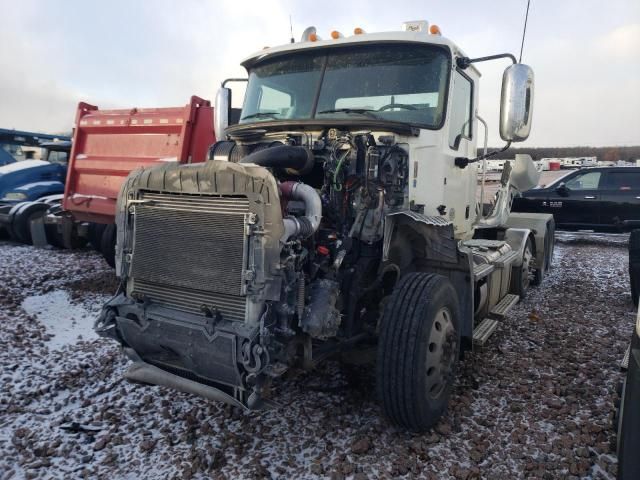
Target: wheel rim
x=441, y=353
x=527, y=256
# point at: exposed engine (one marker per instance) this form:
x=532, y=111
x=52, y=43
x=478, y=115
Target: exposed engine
x=290, y=236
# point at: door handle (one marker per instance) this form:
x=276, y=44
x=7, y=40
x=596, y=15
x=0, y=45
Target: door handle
x=589, y=197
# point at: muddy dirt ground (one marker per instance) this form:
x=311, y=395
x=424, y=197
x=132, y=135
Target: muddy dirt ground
x=535, y=403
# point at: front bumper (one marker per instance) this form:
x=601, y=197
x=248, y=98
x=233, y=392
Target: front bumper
x=217, y=359
x=142, y=372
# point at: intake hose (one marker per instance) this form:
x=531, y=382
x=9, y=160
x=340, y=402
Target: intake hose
x=302, y=226
x=298, y=160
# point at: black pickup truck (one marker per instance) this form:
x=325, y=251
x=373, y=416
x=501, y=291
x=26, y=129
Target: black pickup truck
x=598, y=198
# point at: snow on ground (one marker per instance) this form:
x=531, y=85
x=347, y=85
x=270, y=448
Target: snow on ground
x=536, y=403
x=64, y=322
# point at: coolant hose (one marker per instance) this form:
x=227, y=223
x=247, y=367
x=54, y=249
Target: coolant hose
x=307, y=225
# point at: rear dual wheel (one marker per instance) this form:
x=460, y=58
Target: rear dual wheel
x=418, y=349
x=95, y=231
x=108, y=244
x=20, y=230
x=549, y=243
x=102, y=238
x=522, y=277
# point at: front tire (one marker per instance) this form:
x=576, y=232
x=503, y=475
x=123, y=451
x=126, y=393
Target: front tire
x=418, y=350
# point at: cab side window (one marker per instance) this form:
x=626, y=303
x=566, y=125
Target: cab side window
x=461, y=109
x=622, y=181
x=58, y=157
x=585, y=181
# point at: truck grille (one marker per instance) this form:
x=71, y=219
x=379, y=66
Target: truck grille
x=231, y=307
x=190, y=251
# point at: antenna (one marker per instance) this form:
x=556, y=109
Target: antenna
x=291, y=29
x=524, y=30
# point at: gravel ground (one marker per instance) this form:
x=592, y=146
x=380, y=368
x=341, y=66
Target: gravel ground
x=535, y=403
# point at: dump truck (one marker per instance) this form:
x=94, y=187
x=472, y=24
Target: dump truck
x=338, y=217
x=107, y=146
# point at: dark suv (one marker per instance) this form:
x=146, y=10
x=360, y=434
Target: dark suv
x=599, y=198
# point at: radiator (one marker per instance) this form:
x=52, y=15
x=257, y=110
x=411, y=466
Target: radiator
x=190, y=251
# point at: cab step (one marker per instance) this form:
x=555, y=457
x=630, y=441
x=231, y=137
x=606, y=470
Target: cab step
x=502, y=308
x=624, y=364
x=483, y=331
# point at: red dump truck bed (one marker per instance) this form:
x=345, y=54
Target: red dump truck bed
x=108, y=144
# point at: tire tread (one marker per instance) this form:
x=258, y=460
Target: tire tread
x=399, y=346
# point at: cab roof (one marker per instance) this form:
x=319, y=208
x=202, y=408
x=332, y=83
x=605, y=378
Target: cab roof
x=358, y=39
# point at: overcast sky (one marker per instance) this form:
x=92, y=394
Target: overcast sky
x=126, y=53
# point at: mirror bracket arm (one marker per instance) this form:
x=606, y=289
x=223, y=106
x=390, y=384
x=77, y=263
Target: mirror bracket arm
x=224, y=83
x=464, y=62
x=462, y=162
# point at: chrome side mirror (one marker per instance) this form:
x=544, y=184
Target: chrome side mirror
x=221, y=112
x=516, y=104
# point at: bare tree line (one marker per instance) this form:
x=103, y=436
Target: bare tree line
x=602, y=153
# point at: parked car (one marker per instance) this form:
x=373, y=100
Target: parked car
x=600, y=198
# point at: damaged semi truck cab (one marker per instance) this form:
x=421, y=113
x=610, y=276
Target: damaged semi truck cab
x=339, y=214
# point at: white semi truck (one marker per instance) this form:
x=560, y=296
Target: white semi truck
x=340, y=214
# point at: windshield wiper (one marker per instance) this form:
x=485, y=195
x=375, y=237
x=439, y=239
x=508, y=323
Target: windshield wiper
x=261, y=115
x=360, y=111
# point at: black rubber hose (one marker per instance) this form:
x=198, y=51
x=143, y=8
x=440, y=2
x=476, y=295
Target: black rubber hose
x=298, y=159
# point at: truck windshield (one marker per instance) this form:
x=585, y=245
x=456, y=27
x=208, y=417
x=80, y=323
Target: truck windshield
x=395, y=82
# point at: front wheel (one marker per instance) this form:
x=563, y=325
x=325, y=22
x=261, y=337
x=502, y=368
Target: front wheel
x=418, y=350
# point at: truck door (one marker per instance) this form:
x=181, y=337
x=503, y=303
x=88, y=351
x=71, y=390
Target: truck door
x=621, y=197
x=460, y=194
x=577, y=205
